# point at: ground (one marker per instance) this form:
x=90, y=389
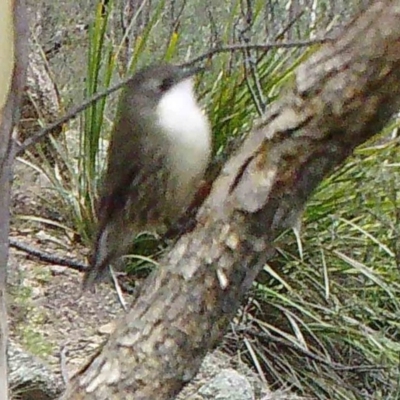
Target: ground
x=48, y=314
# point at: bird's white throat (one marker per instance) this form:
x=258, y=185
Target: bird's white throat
x=187, y=128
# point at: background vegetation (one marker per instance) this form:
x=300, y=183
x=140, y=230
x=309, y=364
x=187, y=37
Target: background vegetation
x=328, y=326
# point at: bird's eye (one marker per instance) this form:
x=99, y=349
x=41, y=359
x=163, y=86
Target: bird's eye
x=166, y=84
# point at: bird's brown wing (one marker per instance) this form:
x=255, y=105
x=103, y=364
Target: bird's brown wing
x=136, y=163
x=129, y=204
x=138, y=196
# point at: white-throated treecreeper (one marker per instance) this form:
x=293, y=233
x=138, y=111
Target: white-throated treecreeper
x=159, y=150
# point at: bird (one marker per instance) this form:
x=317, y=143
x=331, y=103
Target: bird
x=159, y=150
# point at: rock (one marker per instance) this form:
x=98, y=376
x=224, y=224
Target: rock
x=227, y=385
x=220, y=375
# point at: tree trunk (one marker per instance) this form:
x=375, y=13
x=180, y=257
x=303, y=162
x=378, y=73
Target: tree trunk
x=344, y=94
x=14, y=56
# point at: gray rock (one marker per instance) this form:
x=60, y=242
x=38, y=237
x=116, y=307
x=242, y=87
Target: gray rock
x=227, y=385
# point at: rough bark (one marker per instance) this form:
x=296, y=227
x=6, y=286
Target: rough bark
x=40, y=102
x=13, y=39
x=342, y=96
x=29, y=378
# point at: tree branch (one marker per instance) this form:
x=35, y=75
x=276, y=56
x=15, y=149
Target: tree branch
x=342, y=95
x=47, y=257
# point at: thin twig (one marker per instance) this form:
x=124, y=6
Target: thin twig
x=118, y=289
x=70, y=115
x=64, y=262
x=286, y=28
x=265, y=47
x=48, y=258
x=250, y=63
x=63, y=365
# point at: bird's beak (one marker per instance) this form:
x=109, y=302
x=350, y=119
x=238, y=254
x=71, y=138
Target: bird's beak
x=191, y=72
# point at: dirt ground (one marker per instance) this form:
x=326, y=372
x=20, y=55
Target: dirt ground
x=48, y=315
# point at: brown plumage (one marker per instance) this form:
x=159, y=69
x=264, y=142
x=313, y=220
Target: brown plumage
x=159, y=150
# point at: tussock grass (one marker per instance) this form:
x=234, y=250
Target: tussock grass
x=327, y=324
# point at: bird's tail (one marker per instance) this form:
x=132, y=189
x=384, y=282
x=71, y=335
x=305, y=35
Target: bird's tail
x=99, y=263
x=95, y=274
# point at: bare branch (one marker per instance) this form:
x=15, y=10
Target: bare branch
x=46, y=257
x=262, y=47
x=34, y=139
